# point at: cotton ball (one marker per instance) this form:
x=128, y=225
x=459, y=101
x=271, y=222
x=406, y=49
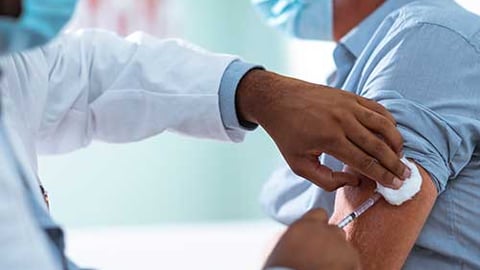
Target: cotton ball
x=411, y=186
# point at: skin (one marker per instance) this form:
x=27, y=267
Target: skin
x=276, y=103
x=385, y=234
x=303, y=246
x=10, y=8
x=378, y=248
x=296, y=113
x=349, y=13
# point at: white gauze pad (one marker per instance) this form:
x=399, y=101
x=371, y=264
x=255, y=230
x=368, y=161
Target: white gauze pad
x=411, y=186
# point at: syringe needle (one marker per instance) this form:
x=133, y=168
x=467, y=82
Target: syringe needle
x=360, y=210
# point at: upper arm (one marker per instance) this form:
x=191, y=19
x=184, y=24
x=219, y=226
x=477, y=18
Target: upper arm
x=385, y=234
x=427, y=77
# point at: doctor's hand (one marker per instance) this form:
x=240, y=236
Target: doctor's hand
x=312, y=244
x=306, y=120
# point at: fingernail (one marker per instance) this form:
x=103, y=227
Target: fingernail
x=397, y=183
x=407, y=173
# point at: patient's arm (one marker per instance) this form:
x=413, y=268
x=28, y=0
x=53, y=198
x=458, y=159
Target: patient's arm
x=385, y=234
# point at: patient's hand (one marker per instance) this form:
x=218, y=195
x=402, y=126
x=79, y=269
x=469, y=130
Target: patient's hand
x=312, y=244
x=385, y=234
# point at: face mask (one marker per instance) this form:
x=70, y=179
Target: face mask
x=40, y=21
x=301, y=18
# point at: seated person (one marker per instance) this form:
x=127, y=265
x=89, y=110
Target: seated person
x=421, y=60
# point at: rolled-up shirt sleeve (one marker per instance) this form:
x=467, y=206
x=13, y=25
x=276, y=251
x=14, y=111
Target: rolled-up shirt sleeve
x=432, y=93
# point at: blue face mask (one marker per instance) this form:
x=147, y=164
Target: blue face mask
x=309, y=19
x=40, y=21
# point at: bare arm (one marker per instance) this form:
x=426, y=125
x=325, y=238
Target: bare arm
x=385, y=234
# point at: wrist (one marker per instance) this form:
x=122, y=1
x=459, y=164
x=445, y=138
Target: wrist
x=256, y=92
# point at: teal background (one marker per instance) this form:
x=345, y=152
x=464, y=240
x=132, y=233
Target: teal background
x=171, y=178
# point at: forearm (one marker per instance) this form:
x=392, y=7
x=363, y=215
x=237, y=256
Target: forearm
x=385, y=234
x=257, y=91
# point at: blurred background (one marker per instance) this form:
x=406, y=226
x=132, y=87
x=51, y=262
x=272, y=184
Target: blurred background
x=151, y=205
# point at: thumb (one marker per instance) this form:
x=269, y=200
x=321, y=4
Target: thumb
x=322, y=176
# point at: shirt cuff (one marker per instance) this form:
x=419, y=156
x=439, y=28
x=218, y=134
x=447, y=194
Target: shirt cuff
x=228, y=88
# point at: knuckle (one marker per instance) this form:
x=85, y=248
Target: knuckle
x=364, y=139
x=400, y=168
x=399, y=141
x=332, y=184
x=330, y=139
x=382, y=110
x=385, y=125
x=380, y=148
x=361, y=100
x=332, y=144
x=334, y=114
x=394, y=121
x=389, y=115
x=368, y=116
x=368, y=164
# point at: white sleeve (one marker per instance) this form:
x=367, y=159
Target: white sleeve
x=104, y=87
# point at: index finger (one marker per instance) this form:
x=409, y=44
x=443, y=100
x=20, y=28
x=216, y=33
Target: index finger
x=320, y=175
x=382, y=126
x=378, y=149
x=367, y=165
x=377, y=107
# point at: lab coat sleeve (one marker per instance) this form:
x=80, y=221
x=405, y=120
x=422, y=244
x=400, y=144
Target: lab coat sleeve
x=104, y=87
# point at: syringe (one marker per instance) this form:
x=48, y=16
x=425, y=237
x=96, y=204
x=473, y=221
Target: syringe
x=360, y=210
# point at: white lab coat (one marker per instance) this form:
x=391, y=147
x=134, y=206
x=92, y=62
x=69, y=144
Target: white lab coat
x=94, y=85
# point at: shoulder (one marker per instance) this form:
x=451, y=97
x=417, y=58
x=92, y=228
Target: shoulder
x=437, y=16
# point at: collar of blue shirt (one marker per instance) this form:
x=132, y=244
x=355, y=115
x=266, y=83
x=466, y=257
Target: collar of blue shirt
x=356, y=40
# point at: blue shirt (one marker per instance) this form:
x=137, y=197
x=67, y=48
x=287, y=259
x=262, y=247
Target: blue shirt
x=421, y=60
